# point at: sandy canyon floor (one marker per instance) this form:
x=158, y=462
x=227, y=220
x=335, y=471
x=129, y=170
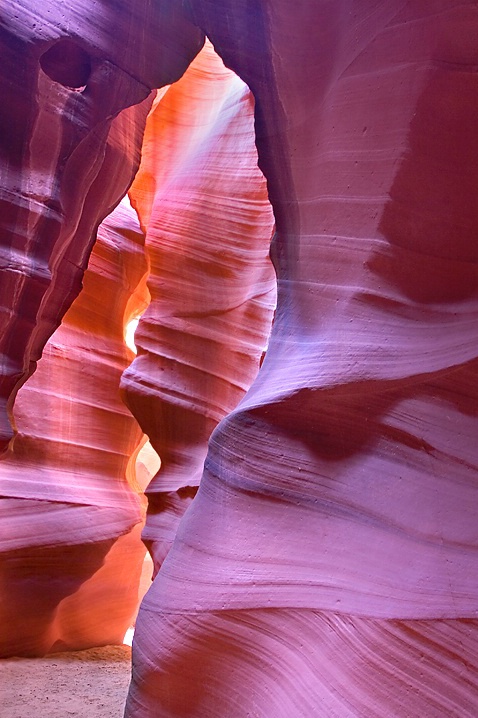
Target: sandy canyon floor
x=86, y=684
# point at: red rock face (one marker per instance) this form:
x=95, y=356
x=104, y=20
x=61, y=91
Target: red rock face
x=65, y=76
x=69, y=149
x=204, y=202
x=328, y=565
x=70, y=548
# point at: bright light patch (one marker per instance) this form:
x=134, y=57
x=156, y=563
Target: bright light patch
x=129, y=334
x=128, y=637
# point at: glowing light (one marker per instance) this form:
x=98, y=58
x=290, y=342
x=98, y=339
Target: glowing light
x=128, y=637
x=129, y=334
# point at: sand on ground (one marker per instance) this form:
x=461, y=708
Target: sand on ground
x=84, y=684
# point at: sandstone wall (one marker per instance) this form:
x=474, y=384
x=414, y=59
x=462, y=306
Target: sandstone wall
x=328, y=565
x=203, y=203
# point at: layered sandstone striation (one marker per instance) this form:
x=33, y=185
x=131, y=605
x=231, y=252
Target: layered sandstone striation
x=328, y=564
x=65, y=161
x=203, y=202
x=75, y=96
x=70, y=547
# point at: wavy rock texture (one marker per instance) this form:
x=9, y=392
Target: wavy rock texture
x=329, y=563
x=71, y=553
x=64, y=163
x=204, y=203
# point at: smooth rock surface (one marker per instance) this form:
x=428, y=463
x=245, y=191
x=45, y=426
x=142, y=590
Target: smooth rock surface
x=75, y=95
x=203, y=203
x=70, y=548
x=329, y=562
x=64, y=160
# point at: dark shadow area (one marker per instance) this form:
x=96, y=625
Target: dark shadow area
x=67, y=63
x=431, y=218
x=34, y=580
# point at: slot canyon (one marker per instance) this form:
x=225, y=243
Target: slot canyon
x=283, y=198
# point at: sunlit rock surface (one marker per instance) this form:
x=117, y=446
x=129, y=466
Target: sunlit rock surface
x=329, y=563
x=67, y=71
x=70, y=547
x=75, y=95
x=203, y=202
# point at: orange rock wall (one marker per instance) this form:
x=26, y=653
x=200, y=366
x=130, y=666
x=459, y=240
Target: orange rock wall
x=328, y=563
x=70, y=547
x=75, y=96
x=64, y=162
x=203, y=203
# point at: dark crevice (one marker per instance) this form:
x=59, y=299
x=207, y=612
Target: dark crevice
x=67, y=63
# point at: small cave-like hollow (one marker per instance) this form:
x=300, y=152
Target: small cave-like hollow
x=67, y=63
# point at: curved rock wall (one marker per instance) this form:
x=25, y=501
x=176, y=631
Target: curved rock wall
x=203, y=202
x=75, y=96
x=328, y=564
x=70, y=548
x=65, y=76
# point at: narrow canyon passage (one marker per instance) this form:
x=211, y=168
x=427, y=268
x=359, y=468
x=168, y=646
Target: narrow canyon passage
x=313, y=524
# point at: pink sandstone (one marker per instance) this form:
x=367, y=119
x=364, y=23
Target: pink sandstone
x=211, y=281
x=70, y=549
x=328, y=565
x=65, y=76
